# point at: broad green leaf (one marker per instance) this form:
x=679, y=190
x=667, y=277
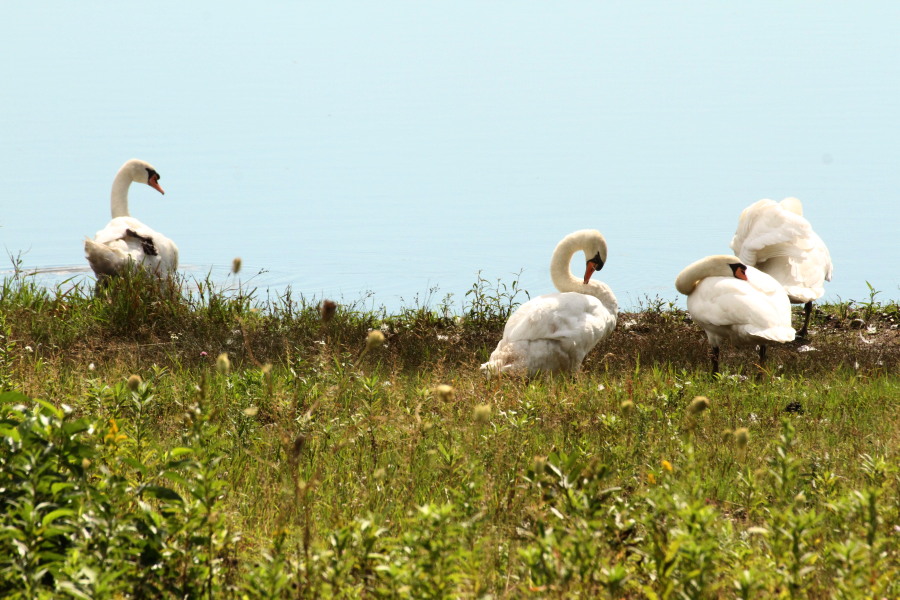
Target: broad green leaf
x=52, y=516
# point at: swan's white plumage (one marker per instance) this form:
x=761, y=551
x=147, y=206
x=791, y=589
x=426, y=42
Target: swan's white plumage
x=125, y=241
x=554, y=332
x=734, y=302
x=775, y=238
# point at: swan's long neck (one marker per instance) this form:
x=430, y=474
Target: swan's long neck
x=119, y=198
x=560, y=273
x=565, y=280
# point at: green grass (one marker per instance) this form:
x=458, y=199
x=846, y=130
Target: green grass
x=312, y=468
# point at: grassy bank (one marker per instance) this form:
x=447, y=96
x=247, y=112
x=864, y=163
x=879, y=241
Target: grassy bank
x=138, y=463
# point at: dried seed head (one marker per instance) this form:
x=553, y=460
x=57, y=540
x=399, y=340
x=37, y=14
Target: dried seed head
x=236, y=265
x=223, y=364
x=741, y=437
x=482, y=413
x=134, y=382
x=444, y=392
x=698, y=405
x=327, y=310
x=374, y=340
x=627, y=407
x=251, y=411
x=727, y=435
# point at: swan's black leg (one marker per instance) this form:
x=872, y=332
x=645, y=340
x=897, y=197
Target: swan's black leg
x=807, y=309
x=714, y=355
x=762, y=362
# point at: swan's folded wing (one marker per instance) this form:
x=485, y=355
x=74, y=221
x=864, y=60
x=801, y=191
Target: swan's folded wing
x=725, y=301
x=566, y=316
x=766, y=230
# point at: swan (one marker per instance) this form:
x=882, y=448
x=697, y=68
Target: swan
x=775, y=238
x=734, y=302
x=125, y=241
x=554, y=332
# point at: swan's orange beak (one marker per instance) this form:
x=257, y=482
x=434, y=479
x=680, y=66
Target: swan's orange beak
x=589, y=271
x=741, y=273
x=154, y=183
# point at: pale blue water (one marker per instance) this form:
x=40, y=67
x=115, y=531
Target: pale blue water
x=340, y=147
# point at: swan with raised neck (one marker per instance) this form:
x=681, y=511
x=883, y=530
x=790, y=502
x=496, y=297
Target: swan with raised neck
x=554, y=332
x=126, y=242
x=134, y=170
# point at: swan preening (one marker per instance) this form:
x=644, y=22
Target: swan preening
x=554, y=332
x=126, y=242
x=775, y=238
x=735, y=302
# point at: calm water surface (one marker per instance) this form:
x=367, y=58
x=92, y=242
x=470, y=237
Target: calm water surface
x=396, y=147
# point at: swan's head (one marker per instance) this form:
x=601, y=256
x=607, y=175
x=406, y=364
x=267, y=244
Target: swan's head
x=595, y=252
x=143, y=172
x=739, y=270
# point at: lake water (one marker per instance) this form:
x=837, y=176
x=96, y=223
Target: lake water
x=395, y=147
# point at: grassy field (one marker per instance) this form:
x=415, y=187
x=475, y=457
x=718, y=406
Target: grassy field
x=158, y=443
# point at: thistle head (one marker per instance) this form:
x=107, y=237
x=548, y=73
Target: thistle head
x=444, y=392
x=698, y=405
x=374, y=340
x=327, y=310
x=134, y=382
x=482, y=413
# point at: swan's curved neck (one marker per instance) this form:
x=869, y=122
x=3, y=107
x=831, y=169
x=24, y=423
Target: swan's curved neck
x=560, y=273
x=119, y=198
x=711, y=266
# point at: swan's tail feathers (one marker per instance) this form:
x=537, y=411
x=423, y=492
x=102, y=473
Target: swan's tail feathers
x=776, y=334
x=502, y=360
x=104, y=260
x=489, y=369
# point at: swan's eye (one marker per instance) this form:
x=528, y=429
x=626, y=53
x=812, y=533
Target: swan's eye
x=598, y=262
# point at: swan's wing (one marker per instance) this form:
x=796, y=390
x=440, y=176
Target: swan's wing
x=129, y=239
x=766, y=230
x=783, y=244
x=570, y=316
x=758, y=307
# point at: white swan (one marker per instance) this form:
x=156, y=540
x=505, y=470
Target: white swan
x=734, y=302
x=775, y=238
x=125, y=241
x=554, y=332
